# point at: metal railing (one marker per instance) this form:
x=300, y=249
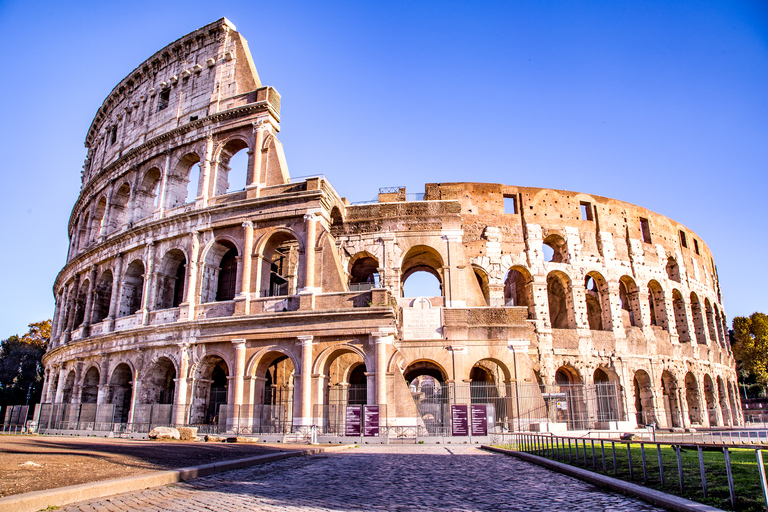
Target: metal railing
x=664, y=465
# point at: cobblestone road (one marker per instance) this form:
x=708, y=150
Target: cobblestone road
x=393, y=478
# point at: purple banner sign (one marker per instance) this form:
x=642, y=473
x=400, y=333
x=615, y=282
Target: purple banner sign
x=459, y=420
x=479, y=420
x=371, y=420
x=352, y=425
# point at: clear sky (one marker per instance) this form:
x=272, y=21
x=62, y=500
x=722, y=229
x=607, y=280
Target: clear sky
x=659, y=103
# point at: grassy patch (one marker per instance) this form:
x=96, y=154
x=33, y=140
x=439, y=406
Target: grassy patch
x=749, y=495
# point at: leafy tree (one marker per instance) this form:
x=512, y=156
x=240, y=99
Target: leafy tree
x=20, y=365
x=751, y=347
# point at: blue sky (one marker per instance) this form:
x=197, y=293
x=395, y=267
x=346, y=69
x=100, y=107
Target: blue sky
x=662, y=104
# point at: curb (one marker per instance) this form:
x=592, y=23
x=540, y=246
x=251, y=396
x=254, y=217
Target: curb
x=668, y=501
x=38, y=500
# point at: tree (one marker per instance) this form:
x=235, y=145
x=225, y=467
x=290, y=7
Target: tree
x=751, y=347
x=20, y=364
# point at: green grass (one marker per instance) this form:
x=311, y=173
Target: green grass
x=749, y=496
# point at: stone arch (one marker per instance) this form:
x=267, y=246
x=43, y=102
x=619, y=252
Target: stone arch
x=673, y=270
x=719, y=326
x=120, y=391
x=709, y=397
x=183, y=183
x=710, y=319
x=630, y=302
x=568, y=382
x=102, y=297
x=148, y=193
x=657, y=305
x=99, y=221
x=722, y=397
x=427, y=367
x=698, y=320
x=336, y=364
x=274, y=369
x=170, y=279
x=598, y=302
x=670, y=392
x=225, y=175
x=261, y=359
x=560, y=301
x=210, y=390
x=281, y=253
x=90, y=389
x=428, y=383
x=692, y=398
x=483, y=282
x=363, y=270
x=81, y=302
x=645, y=407
x=337, y=222
x=681, y=317
x=732, y=394
x=158, y=383
x=555, y=249
x=132, y=289
x=518, y=288
x=82, y=235
x=421, y=258
x=118, y=209
x=68, y=387
x=220, y=270
x=607, y=392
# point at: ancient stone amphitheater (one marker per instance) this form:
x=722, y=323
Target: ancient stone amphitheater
x=199, y=290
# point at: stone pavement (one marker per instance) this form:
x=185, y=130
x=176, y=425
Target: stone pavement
x=393, y=478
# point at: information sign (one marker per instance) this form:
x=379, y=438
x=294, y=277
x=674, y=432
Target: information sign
x=459, y=420
x=370, y=420
x=352, y=427
x=479, y=420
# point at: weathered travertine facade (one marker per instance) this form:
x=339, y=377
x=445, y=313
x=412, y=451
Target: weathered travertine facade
x=283, y=295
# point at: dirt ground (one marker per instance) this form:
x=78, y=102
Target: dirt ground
x=33, y=463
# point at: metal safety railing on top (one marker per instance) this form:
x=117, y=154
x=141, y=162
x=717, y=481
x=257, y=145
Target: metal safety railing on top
x=695, y=470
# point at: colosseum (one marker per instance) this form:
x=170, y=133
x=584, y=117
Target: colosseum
x=204, y=286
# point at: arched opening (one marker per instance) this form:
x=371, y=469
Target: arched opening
x=427, y=382
x=274, y=393
x=69, y=385
x=645, y=409
x=656, y=305
x=120, y=390
x=170, y=280
x=102, y=297
x=421, y=262
x=681, y=318
x=210, y=391
x=119, y=208
x=669, y=390
x=358, y=385
x=346, y=382
x=692, y=398
x=598, y=305
x=573, y=410
x=673, y=270
x=133, y=289
x=698, y=320
x=80, y=303
x=719, y=326
x=482, y=282
x=364, y=273
x=607, y=395
x=280, y=267
x=490, y=385
x=83, y=234
x=518, y=289
x=709, y=397
x=337, y=222
x=630, y=305
x=232, y=170
x=732, y=401
x=90, y=390
x=99, y=220
x=220, y=272
x=710, y=320
x=722, y=397
x=183, y=183
x=555, y=249
x=560, y=301
x=148, y=194
x=158, y=386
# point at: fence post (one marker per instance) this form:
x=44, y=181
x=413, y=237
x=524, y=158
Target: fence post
x=576, y=442
x=702, y=471
x=570, y=456
x=615, y=468
x=629, y=457
x=584, y=447
x=602, y=449
x=645, y=465
x=728, y=472
x=679, y=466
x=594, y=462
x=761, y=473
x=661, y=465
